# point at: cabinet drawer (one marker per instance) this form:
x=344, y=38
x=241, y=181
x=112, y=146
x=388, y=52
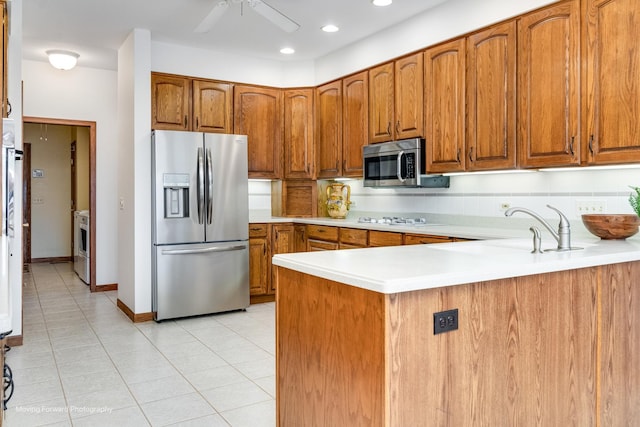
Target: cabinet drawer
x=419, y=239
x=354, y=236
x=322, y=232
x=320, y=245
x=384, y=238
x=258, y=230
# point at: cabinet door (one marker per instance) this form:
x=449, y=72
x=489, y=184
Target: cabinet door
x=300, y=237
x=444, y=106
x=548, y=86
x=170, y=102
x=259, y=266
x=384, y=238
x=282, y=242
x=355, y=122
x=329, y=130
x=258, y=114
x=612, y=81
x=298, y=134
x=409, y=72
x=491, y=91
x=212, y=106
x=381, y=100
x=320, y=245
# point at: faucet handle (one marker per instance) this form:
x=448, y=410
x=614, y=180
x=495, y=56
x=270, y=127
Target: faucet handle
x=564, y=222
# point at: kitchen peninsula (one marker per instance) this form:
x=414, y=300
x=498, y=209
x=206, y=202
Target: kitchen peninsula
x=541, y=339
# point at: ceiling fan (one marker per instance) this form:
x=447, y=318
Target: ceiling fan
x=262, y=8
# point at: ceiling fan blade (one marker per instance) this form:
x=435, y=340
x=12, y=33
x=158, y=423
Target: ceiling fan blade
x=216, y=13
x=274, y=16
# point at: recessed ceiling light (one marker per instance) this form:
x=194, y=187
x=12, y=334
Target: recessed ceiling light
x=381, y=2
x=330, y=28
x=287, y=50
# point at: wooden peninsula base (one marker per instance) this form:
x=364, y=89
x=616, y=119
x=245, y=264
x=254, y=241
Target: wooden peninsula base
x=553, y=349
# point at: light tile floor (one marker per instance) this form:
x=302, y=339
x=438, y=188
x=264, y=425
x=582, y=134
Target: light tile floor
x=84, y=363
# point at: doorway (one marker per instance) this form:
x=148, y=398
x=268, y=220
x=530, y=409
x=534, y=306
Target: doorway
x=80, y=194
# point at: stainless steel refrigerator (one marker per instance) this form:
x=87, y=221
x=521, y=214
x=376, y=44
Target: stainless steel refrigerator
x=200, y=223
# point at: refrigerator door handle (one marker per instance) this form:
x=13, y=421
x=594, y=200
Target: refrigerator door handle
x=209, y=187
x=200, y=185
x=203, y=251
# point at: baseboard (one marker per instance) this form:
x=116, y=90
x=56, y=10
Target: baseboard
x=52, y=259
x=14, y=341
x=108, y=287
x=135, y=317
x=259, y=299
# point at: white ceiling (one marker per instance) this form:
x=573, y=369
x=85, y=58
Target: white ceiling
x=96, y=28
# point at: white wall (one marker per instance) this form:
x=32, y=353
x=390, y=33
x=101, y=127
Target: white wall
x=443, y=22
x=84, y=94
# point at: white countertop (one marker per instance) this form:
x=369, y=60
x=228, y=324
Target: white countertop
x=5, y=303
x=396, y=269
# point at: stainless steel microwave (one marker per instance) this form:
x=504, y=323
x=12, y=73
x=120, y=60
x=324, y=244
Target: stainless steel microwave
x=398, y=164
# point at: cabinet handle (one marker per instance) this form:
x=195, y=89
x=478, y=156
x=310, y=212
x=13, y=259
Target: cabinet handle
x=458, y=156
x=591, y=144
x=389, y=128
x=471, y=154
x=573, y=138
x=197, y=123
x=185, y=120
x=397, y=127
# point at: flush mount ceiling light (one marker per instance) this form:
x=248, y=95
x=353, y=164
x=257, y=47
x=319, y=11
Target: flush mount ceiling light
x=381, y=2
x=287, y=50
x=62, y=59
x=330, y=28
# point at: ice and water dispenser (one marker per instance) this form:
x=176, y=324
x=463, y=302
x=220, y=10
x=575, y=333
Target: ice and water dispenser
x=176, y=195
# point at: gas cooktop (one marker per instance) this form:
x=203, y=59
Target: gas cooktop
x=393, y=220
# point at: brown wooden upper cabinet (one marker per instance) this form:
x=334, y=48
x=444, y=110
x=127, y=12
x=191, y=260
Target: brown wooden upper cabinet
x=298, y=134
x=549, y=86
x=170, y=102
x=182, y=103
x=491, y=98
x=329, y=130
x=612, y=79
x=396, y=100
x=444, y=106
x=258, y=113
x=355, y=122
x=212, y=106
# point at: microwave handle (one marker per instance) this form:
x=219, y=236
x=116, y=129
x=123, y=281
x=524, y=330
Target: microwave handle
x=399, y=167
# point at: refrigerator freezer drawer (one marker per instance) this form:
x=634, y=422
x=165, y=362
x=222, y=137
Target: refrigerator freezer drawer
x=196, y=279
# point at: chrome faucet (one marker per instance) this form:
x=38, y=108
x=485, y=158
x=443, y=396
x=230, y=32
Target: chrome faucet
x=562, y=236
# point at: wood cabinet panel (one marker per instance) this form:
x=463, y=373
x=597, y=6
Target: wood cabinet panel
x=354, y=236
x=612, y=80
x=419, y=239
x=329, y=130
x=409, y=101
x=381, y=103
x=384, y=238
x=491, y=98
x=298, y=134
x=170, y=102
x=258, y=230
x=320, y=245
x=548, y=86
x=444, y=106
x=259, y=265
x=300, y=237
x=212, y=106
x=282, y=242
x=322, y=232
x=355, y=122
x=619, y=356
x=258, y=114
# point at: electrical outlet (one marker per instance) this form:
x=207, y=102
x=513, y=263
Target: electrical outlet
x=590, y=207
x=504, y=206
x=445, y=321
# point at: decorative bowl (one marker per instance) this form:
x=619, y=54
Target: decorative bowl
x=611, y=226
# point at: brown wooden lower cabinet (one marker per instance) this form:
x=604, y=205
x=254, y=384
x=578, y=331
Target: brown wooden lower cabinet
x=384, y=238
x=419, y=239
x=349, y=356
